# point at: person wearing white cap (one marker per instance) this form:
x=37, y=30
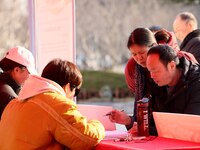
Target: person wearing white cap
x=17, y=64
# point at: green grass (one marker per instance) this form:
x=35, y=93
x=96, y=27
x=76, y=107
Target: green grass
x=95, y=80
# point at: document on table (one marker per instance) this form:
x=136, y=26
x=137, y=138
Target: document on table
x=115, y=134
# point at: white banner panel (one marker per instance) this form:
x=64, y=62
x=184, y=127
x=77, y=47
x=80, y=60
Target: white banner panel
x=52, y=30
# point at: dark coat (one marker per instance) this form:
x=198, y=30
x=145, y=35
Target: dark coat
x=185, y=95
x=9, y=89
x=191, y=44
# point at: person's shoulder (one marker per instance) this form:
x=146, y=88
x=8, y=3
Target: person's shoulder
x=130, y=62
x=195, y=39
x=193, y=73
x=193, y=45
x=130, y=66
x=193, y=36
x=55, y=99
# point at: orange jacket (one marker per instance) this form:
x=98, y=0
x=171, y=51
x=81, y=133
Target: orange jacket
x=47, y=121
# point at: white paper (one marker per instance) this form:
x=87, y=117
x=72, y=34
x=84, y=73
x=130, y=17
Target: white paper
x=115, y=134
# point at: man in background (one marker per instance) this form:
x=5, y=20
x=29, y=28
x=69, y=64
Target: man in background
x=185, y=27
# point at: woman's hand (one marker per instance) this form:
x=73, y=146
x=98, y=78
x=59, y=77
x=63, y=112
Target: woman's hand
x=120, y=117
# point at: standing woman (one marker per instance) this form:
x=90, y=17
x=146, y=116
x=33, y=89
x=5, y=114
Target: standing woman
x=138, y=78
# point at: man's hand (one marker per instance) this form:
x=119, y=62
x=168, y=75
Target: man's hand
x=133, y=130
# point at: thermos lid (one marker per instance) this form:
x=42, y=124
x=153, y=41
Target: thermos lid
x=144, y=100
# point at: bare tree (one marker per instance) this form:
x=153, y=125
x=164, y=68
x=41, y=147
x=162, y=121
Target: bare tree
x=14, y=24
x=103, y=27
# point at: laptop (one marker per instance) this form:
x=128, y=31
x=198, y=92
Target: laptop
x=98, y=113
x=178, y=126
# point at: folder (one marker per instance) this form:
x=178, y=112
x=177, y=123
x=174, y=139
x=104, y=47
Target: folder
x=97, y=112
x=178, y=126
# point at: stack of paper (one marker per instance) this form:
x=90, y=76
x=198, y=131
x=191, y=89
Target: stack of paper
x=115, y=134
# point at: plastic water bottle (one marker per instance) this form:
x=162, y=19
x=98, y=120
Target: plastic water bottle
x=143, y=117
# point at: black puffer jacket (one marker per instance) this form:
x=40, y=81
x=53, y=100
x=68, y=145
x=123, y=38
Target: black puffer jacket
x=185, y=96
x=9, y=89
x=191, y=44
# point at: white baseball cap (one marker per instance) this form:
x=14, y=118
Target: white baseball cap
x=22, y=56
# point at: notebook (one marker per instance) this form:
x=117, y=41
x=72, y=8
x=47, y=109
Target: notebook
x=97, y=112
x=178, y=126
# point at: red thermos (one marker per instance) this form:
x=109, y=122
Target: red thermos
x=143, y=117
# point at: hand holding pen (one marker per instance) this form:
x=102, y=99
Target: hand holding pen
x=110, y=113
x=119, y=116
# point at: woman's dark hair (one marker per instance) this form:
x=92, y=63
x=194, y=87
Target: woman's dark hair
x=63, y=72
x=162, y=36
x=8, y=65
x=165, y=52
x=142, y=37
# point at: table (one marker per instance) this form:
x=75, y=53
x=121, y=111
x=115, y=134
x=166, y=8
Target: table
x=152, y=143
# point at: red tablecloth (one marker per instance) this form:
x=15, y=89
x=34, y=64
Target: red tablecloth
x=154, y=143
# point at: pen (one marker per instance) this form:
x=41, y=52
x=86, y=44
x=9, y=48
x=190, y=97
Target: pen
x=120, y=140
x=108, y=114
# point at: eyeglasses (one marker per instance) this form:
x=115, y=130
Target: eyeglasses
x=76, y=89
